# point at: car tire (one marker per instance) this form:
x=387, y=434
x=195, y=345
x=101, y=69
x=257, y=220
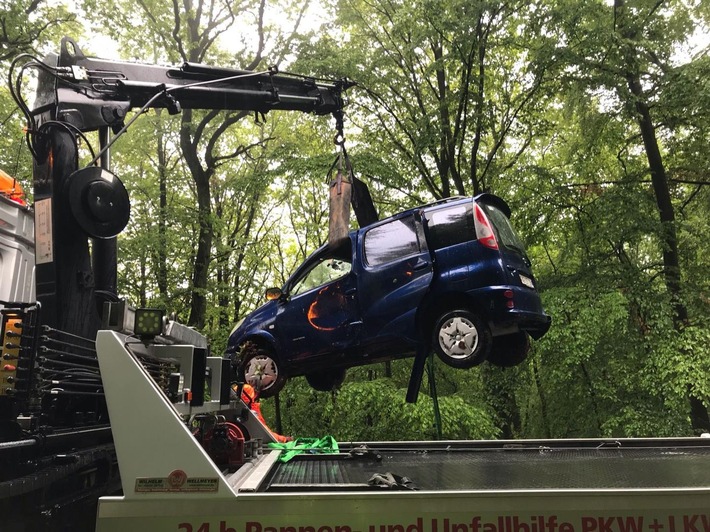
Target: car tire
x=509, y=350
x=326, y=380
x=461, y=339
x=260, y=368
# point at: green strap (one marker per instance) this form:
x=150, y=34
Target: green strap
x=324, y=445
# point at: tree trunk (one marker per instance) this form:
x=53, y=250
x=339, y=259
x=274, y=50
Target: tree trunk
x=223, y=275
x=659, y=180
x=479, y=100
x=592, y=398
x=162, y=269
x=543, y=399
x=203, y=253
x=500, y=388
x=198, y=304
x=671, y=264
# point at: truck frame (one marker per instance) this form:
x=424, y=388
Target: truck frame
x=172, y=484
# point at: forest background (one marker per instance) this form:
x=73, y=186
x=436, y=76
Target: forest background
x=590, y=117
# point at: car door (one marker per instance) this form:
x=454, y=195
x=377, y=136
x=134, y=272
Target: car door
x=396, y=271
x=319, y=315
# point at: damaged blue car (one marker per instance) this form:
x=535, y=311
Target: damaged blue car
x=451, y=276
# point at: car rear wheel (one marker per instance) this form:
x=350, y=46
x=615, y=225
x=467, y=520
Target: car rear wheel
x=509, y=350
x=461, y=339
x=260, y=369
x=326, y=380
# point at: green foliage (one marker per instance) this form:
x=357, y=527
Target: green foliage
x=434, y=104
x=26, y=27
x=377, y=410
x=303, y=410
x=583, y=366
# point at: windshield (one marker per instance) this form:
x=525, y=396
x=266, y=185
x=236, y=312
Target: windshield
x=323, y=272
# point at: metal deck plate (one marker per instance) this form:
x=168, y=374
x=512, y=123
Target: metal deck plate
x=505, y=469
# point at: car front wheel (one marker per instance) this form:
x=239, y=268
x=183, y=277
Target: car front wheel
x=260, y=369
x=461, y=339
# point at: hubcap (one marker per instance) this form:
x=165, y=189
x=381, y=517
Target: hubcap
x=261, y=372
x=458, y=337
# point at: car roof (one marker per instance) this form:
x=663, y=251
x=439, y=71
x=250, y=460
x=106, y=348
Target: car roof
x=486, y=197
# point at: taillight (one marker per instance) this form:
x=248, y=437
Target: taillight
x=508, y=294
x=484, y=231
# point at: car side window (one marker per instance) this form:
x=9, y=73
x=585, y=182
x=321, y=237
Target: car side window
x=391, y=241
x=452, y=225
x=325, y=271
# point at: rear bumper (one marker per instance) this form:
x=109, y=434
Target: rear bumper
x=535, y=325
x=506, y=306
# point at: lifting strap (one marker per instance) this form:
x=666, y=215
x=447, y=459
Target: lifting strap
x=340, y=191
x=346, y=190
x=339, y=208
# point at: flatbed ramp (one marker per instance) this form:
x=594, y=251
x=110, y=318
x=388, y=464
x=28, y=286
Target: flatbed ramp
x=499, y=466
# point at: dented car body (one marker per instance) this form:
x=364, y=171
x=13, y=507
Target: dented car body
x=451, y=275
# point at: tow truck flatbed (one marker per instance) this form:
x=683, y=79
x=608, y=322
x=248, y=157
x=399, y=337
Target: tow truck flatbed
x=171, y=484
x=504, y=465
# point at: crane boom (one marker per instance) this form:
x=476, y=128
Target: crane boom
x=91, y=93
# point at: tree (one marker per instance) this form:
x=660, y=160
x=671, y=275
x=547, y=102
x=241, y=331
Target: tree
x=542, y=103
x=157, y=247
x=26, y=27
x=199, y=31
x=376, y=410
x=447, y=89
x=628, y=49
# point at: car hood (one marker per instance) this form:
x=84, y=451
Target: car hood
x=263, y=316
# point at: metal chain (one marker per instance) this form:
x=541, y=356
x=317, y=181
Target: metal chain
x=339, y=139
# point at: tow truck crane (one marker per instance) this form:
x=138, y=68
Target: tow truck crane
x=56, y=446
x=193, y=461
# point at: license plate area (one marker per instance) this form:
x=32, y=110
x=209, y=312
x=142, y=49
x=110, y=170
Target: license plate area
x=527, y=281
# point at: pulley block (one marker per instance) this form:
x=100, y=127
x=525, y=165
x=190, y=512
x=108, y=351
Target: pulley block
x=98, y=201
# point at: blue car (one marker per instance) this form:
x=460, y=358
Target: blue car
x=451, y=276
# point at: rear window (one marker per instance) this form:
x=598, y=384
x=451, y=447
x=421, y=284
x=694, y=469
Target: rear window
x=504, y=231
x=451, y=225
x=391, y=241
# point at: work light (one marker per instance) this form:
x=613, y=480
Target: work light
x=149, y=322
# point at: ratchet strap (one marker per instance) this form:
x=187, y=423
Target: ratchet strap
x=324, y=445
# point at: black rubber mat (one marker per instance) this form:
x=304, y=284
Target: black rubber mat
x=503, y=469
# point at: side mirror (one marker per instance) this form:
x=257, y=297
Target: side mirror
x=273, y=293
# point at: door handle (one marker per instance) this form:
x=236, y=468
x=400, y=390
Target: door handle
x=421, y=265
x=350, y=291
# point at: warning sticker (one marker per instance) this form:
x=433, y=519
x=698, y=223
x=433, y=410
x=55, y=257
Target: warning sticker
x=177, y=482
x=44, y=251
